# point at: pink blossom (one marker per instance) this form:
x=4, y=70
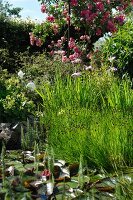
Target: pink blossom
x=77, y=54
x=120, y=19
x=74, y=2
x=43, y=8
x=67, y=19
x=46, y=174
x=38, y=42
x=111, y=26
x=32, y=39
x=85, y=37
x=65, y=59
x=82, y=37
x=59, y=43
x=98, y=31
x=63, y=39
x=50, y=18
x=71, y=43
x=99, y=6
x=55, y=28
x=76, y=49
x=65, y=12
x=49, y=46
x=90, y=6
x=86, y=13
x=108, y=1
x=72, y=57
x=51, y=53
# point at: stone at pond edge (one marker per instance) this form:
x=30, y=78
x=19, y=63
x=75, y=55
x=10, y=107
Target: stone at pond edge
x=10, y=135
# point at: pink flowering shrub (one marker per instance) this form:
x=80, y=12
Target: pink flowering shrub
x=81, y=23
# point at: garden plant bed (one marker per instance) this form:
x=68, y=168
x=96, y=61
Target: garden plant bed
x=26, y=175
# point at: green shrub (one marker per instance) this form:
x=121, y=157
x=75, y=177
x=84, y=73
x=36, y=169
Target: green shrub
x=117, y=51
x=15, y=103
x=41, y=68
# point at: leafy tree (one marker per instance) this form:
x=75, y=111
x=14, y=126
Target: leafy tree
x=7, y=10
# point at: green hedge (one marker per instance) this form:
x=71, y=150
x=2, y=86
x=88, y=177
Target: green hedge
x=14, y=38
x=14, y=34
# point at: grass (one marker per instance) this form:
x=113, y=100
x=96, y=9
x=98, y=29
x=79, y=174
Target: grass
x=90, y=116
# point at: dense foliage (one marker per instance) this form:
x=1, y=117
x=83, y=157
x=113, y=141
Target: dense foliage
x=14, y=38
x=15, y=101
x=117, y=51
x=73, y=26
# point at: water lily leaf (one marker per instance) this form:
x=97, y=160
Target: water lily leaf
x=74, y=168
x=60, y=163
x=62, y=187
x=26, y=178
x=72, y=184
x=41, y=156
x=20, y=188
x=64, y=175
x=41, y=166
x=60, y=197
x=97, y=177
x=15, y=182
x=62, y=179
x=36, y=184
x=29, y=159
x=72, y=195
x=57, y=171
x=29, y=171
x=105, y=189
x=18, y=166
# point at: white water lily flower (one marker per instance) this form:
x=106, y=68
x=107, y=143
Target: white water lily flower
x=31, y=86
x=21, y=74
x=50, y=187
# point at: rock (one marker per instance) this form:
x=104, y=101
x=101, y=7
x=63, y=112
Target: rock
x=10, y=135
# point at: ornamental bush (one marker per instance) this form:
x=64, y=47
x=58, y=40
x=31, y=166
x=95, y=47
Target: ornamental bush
x=117, y=51
x=15, y=104
x=74, y=25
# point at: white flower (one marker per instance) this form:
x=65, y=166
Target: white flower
x=89, y=68
x=76, y=61
x=111, y=58
x=21, y=74
x=76, y=74
x=50, y=187
x=31, y=86
x=113, y=69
